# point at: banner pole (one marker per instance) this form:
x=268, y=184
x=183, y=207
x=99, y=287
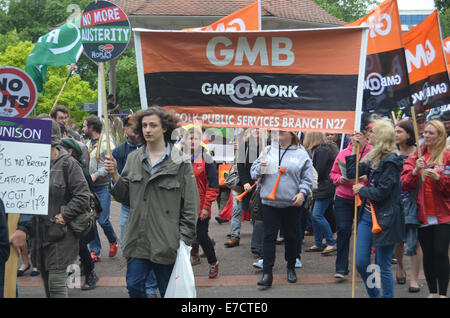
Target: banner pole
x=355, y=220
x=394, y=118
x=416, y=135
x=11, y=264
x=104, y=107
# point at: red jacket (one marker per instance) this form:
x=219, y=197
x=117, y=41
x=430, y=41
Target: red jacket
x=441, y=189
x=207, y=181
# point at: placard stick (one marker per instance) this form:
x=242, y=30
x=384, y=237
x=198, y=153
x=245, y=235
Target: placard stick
x=394, y=118
x=11, y=264
x=105, y=109
x=355, y=219
x=416, y=135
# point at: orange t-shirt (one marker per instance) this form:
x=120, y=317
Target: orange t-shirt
x=429, y=202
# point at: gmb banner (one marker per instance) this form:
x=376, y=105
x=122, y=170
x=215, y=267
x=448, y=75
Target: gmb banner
x=426, y=64
x=386, y=84
x=305, y=80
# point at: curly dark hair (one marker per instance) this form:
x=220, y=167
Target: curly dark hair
x=168, y=119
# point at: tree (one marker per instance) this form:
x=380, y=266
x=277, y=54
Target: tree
x=75, y=93
x=347, y=10
x=444, y=18
x=442, y=5
x=33, y=18
x=127, y=86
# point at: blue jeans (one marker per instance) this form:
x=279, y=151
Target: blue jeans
x=236, y=218
x=257, y=236
x=151, y=284
x=321, y=227
x=344, y=209
x=138, y=271
x=383, y=260
x=103, y=220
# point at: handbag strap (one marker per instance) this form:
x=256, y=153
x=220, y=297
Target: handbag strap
x=416, y=191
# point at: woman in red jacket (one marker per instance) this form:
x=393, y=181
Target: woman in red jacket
x=433, y=203
x=208, y=188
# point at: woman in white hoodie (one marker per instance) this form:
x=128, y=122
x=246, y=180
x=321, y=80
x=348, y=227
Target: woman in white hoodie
x=294, y=185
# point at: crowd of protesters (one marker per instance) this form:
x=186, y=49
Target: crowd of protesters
x=296, y=184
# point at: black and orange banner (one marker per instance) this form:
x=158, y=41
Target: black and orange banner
x=386, y=84
x=426, y=64
x=302, y=80
x=246, y=19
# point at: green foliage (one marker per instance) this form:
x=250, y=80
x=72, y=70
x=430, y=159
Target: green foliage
x=7, y=39
x=444, y=17
x=347, y=10
x=75, y=93
x=33, y=18
x=442, y=5
x=127, y=81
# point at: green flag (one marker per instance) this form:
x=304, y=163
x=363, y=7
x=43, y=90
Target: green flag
x=61, y=46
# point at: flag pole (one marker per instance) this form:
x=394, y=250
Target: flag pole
x=69, y=76
x=355, y=216
x=64, y=85
x=416, y=135
x=11, y=263
x=104, y=107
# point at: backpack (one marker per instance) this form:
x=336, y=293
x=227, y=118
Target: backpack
x=85, y=222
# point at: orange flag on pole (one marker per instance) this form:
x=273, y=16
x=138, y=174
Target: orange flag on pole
x=447, y=52
x=426, y=64
x=246, y=19
x=386, y=83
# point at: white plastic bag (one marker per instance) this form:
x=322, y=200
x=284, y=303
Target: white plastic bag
x=182, y=281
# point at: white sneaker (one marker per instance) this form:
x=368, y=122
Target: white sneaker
x=258, y=264
x=298, y=263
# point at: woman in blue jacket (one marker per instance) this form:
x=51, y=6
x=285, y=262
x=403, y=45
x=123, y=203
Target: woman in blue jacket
x=382, y=166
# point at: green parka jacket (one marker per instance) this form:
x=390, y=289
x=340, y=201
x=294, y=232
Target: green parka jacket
x=163, y=206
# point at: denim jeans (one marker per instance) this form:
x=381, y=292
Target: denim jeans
x=383, y=259
x=138, y=271
x=105, y=200
x=257, y=236
x=236, y=218
x=151, y=285
x=411, y=239
x=344, y=209
x=321, y=227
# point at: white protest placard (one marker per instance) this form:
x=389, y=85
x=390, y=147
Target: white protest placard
x=25, y=146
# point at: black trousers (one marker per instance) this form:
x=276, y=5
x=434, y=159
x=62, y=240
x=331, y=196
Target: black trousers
x=205, y=241
x=273, y=218
x=434, y=241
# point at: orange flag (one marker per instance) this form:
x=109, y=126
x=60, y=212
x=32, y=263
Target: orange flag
x=385, y=33
x=447, y=52
x=246, y=19
x=426, y=64
x=386, y=84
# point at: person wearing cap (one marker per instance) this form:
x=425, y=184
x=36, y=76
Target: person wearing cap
x=54, y=244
